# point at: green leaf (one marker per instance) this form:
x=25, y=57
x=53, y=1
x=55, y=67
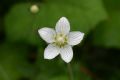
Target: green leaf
x=107, y=33
x=22, y=25
x=62, y=77
x=112, y=4
x=14, y=64
x=10, y=59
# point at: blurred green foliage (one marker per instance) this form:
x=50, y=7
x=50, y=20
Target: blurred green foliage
x=21, y=49
x=107, y=33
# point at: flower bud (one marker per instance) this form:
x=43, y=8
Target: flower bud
x=34, y=9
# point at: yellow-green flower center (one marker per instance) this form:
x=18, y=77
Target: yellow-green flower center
x=60, y=40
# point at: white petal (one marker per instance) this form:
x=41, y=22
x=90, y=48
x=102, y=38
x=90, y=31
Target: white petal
x=66, y=53
x=75, y=37
x=51, y=51
x=63, y=26
x=47, y=34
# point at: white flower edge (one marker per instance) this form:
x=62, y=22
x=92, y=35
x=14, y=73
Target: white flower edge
x=62, y=26
x=75, y=37
x=47, y=34
x=51, y=51
x=66, y=53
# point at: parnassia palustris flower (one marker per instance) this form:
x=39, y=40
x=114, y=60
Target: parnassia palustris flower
x=60, y=40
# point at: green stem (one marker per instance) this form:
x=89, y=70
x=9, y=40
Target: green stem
x=70, y=72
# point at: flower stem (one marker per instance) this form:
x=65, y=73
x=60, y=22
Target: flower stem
x=70, y=72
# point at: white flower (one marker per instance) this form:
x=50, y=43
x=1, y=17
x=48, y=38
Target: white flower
x=60, y=40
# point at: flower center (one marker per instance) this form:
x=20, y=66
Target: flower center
x=61, y=40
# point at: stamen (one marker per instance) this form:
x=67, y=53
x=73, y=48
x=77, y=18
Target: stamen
x=60, y=40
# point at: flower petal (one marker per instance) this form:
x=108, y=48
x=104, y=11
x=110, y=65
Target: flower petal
x=47, y=34
x=75, y=37
x=66, y=53
x=51, y=51
x=63, y=26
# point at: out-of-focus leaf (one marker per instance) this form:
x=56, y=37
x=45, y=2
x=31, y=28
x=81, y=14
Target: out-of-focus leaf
x=112, y=4
x=107, y=33
x=10, y=60
x=13, y=63
x=22, y=25
x=60, y=78
x=92, y=11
